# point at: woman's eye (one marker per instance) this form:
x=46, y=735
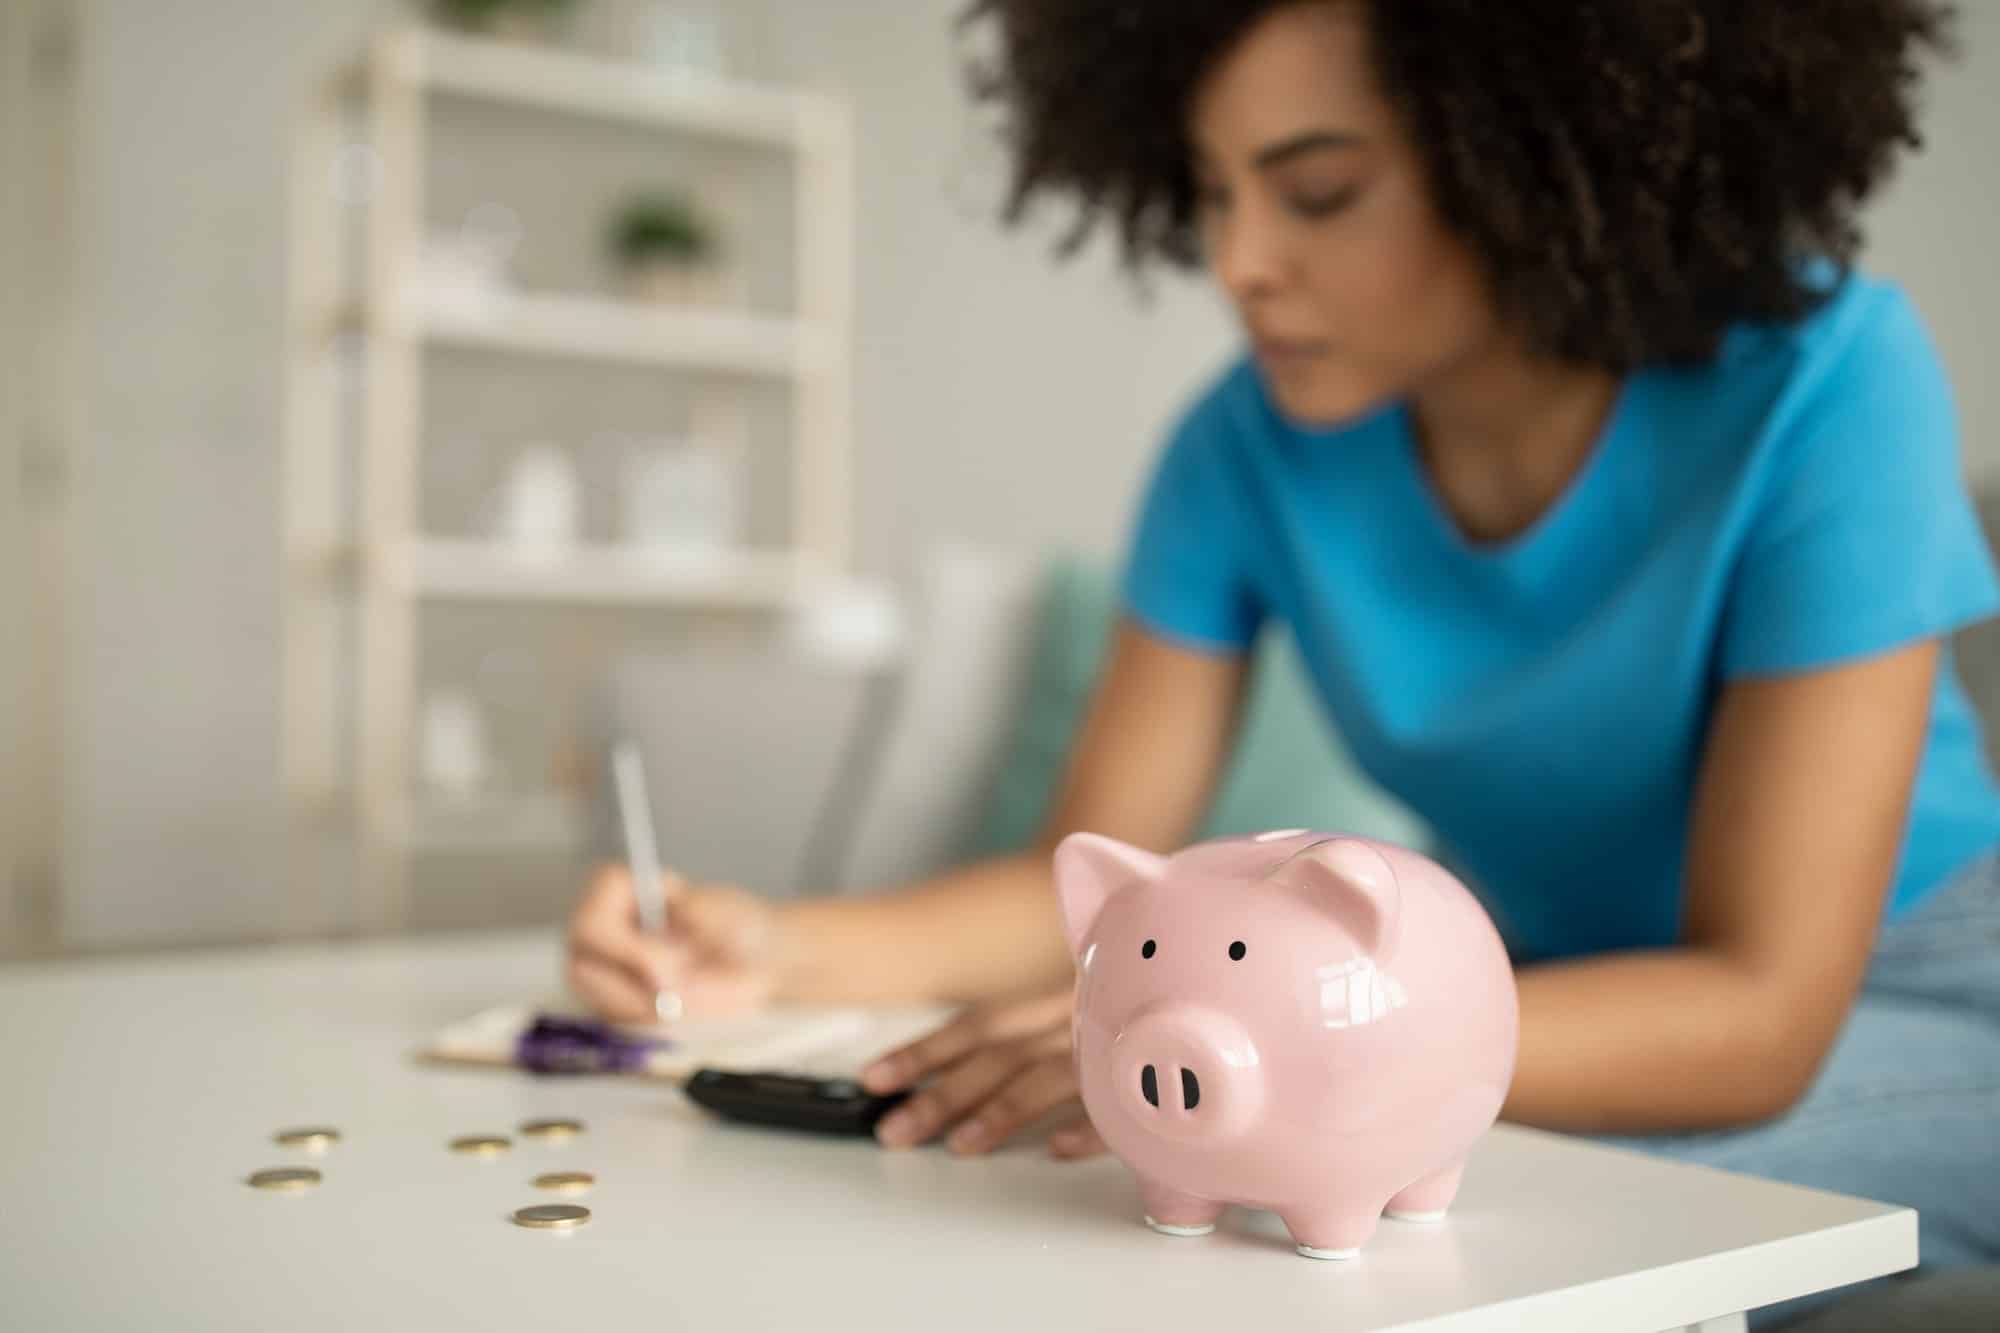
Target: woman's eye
x=1316, y=206
x=1147, y=949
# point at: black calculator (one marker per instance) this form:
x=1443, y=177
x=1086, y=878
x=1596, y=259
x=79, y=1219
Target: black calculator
x=792, y=1101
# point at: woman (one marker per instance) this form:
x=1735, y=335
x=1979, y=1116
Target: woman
x=1619, y=522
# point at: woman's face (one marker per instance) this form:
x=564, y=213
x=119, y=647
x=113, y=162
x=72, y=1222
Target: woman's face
x=1316, y=220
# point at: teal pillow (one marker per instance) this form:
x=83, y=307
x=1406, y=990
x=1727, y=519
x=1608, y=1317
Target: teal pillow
x=1288, y=769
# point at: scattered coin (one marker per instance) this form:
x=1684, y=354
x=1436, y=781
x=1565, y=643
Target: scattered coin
x=289, y=1179
x=554, y=1130
x=566, y=1182
x=481, y=1145
x=552, y=1216
x=315, y=1138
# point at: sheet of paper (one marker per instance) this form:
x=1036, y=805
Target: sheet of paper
x=825, y=1042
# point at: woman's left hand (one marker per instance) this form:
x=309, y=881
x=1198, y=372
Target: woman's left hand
x=991, y=1070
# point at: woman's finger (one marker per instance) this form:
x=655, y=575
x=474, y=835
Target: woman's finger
x=724, y=992
x=604, y=927
x=720, y=922
x=985, y=1025
x=960, y=1088
x=903, y=1066
x=1073, y=1143
x=609, y=989
x=1029, y=1095
x=652, y=963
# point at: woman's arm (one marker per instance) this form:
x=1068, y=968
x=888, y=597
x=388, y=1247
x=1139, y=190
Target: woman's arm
x=1142, y=769
x=1798, y=820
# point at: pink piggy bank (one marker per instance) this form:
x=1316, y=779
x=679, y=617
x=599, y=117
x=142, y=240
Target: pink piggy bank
x=1317, y=1025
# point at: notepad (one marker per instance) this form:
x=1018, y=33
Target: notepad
x=826, y=1042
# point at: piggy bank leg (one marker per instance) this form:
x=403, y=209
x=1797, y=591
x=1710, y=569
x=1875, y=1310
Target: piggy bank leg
x=1173, y=1213
x=1331, y=1233
x=1427, y=1199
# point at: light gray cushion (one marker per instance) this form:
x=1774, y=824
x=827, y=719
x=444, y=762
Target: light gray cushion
x=946, y=726
x=742, y=749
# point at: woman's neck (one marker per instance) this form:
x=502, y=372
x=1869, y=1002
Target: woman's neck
x=1502, y=435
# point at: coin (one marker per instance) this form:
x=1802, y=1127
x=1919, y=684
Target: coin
x=315, y=1138
x=567, y=1182
x=287, y=1178
x=552, y=1129
x=552, y=1216
x=481, y=1145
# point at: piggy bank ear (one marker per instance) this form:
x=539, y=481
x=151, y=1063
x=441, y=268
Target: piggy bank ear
x=1353, y=883
x=1089, y=869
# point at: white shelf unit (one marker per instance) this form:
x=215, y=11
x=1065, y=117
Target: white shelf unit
x=601, y=575
x=596, y=329
x=347, y=766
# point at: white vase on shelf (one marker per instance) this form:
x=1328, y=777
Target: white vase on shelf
x=540, y=504
x=466, y=270
x=679, y=493
x=452, y=748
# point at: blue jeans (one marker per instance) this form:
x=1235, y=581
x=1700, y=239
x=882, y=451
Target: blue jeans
x=1906, y=1108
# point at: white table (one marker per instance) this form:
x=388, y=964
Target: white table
x=138, y=1093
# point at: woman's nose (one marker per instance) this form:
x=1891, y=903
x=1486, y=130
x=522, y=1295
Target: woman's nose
x=1244, y=253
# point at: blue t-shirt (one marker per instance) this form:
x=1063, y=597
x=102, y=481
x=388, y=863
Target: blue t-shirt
x=1542, y=702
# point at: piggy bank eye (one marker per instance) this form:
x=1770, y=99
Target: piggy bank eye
x=1236, y=951
x=1146, y=949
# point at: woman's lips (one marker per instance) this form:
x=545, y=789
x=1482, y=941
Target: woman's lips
x=1288, y=353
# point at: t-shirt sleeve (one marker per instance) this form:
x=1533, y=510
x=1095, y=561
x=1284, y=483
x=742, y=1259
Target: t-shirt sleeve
x=1186, y=577
x=1864, y=538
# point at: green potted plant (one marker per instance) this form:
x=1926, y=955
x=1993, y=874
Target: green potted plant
x=521, y=20
x=665, y=249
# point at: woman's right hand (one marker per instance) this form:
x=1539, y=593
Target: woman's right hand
x=719, y=954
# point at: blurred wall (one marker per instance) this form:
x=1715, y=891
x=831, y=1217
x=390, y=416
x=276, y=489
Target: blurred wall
x=999, y=397
x=184, y=108
x=1933, y=229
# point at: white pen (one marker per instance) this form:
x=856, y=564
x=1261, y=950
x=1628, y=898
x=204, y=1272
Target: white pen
x=642, y=857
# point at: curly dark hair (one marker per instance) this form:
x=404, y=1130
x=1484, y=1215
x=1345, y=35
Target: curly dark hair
x=1634, y=175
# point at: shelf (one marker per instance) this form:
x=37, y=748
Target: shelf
x=596, y=328
x=527, y=821
x=362, y=414
x=584, y=85
x=616, y=575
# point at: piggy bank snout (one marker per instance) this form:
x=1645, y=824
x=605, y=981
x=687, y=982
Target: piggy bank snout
x=1184, y=1072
